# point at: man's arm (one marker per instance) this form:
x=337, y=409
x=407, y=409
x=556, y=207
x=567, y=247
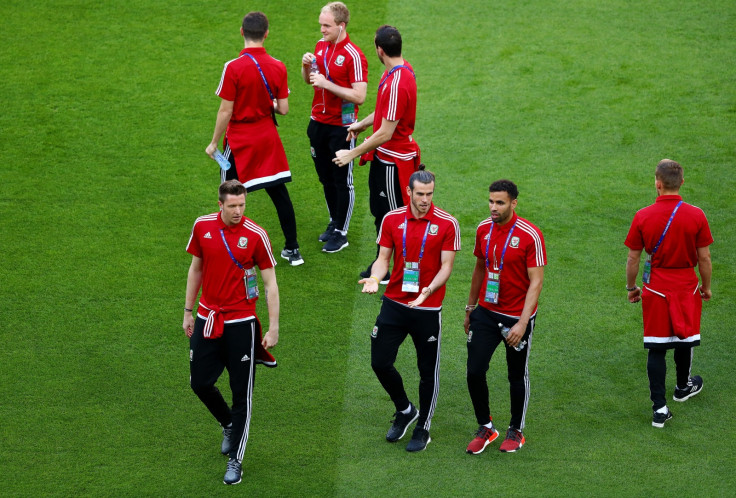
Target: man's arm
x=705, y=268
x=194, y=282
x=536, y=276
x=383, y=135
x=355, y=94
x=271, y=338
x=475, y=282
x=306, y=64
x=447, y=259
x=282, y=106
x=223, y=118
x=632, y=270
x=378, y=271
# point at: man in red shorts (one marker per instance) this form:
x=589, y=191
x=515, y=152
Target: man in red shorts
x=676, y=237
x=253, y=90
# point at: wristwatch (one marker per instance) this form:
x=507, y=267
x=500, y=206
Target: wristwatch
x=470, y=307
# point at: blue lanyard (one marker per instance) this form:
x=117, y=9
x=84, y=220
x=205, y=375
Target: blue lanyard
x=503, y=253
x=424, y=240
x=392, y=71
x=263, y=77
x=672, y=216
x=222, y=233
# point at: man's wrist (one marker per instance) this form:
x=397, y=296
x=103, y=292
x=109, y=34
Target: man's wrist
x=470, y=307
x=188, y=310
x=632, y=289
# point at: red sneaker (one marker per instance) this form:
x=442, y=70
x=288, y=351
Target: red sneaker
x=483, y=438
x=514, y=440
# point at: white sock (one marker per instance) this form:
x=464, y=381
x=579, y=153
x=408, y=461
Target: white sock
x=489, y=425
x=407, y=411
x=662, y=410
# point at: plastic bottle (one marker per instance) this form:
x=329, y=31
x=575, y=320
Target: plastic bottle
x=505, y=334
x=314, y=68
x=221, y=160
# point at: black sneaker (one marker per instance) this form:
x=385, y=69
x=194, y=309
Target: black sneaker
x=324, y=236
x=293, y=256
x=658, y=419
x=694, y=386
x=234, y=472
x=227, y=441
x=336, y=242
x=400, y=423
x=419, y=440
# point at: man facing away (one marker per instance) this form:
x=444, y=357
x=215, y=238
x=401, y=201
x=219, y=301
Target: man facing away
x=226, y=247
x=340, y=82
x=676, y=237
x=393, y=153
x=423, y=240
x=502, y=308
x=253, y=89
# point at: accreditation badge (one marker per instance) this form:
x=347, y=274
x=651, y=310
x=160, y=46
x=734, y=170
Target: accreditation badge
x=348, y=112
x=251, y=283
x=647, y=273
x=410, y=282
x=493, y=287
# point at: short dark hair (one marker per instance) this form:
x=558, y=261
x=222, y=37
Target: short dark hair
x=421, y=175
x=255, y=25
x=670, y=174
x=389, y=39
x=230, y=187
x=505, y=186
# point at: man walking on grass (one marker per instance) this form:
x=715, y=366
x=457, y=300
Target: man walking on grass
x=502, y=308
x=676, y=237
x=423, y=240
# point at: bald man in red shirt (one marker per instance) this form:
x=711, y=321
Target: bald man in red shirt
x=676, y=237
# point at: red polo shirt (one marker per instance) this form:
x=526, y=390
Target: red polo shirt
x=397, y=101
x=443, y=235
x=343, y=64
x=222, y=280
x=525, y=250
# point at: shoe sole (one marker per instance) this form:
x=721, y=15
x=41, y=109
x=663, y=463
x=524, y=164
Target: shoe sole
x=429, y=440
x=336, y=250
x=688, y=396
x=660, y=425
x=293, y=263
x=488, y=441
x=416, y=416
x=233, y=483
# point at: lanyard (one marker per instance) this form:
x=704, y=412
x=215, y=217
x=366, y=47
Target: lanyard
x=424, y=240
x=268, y=88
x=665, y=229
x=392, y=71
x=222, y=233
x=503, y=253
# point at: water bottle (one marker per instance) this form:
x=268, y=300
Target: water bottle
x=505, y=334
x=314, y=68
x=221, y=160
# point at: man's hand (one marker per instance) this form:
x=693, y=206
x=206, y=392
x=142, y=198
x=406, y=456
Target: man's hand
x=635, y=295
x=270, y=339
x=343, y=157
x=210, y=150
x=370, y=285
x=515, y=334
x=426, y=292
x=188, y=324
x=318, y=80
x=706, y=294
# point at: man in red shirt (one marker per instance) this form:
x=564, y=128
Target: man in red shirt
x=253, y=90
x=676, y=237
x=226, y=247
x=393, y=153
x=340, y=84
x=502, y=307
x=423, y=240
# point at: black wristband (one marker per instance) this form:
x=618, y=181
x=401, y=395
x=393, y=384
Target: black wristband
x=633, y=288
x=187, y=309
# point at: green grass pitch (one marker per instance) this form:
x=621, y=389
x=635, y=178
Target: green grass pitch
x=106, y=110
